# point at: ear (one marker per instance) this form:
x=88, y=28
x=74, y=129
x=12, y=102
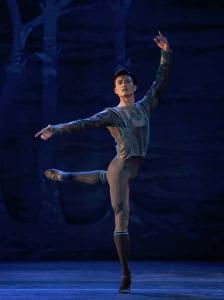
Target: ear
x=135, y=88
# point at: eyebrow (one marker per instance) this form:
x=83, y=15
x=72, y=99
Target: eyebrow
x=119, y=80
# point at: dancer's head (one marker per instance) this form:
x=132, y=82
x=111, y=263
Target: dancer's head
x=124, y=83
x=122, y=72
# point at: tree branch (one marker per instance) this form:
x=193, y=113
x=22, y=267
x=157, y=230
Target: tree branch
x=30, y=26
x=15, y=15
x=42, y=6
x=62, y=3
x=125, y=7
x=113, y=4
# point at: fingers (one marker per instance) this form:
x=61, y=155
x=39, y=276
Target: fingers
x=157, y=41
x=161, y=41
x=161, y=36
x=44, y=133
x=38, y=133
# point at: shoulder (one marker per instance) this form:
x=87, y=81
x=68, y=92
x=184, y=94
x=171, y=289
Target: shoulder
x=112, y=114
x=114, y=109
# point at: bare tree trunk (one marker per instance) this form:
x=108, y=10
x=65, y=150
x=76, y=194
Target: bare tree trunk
x=50, y=194
x=121, y=8
x=13, y=70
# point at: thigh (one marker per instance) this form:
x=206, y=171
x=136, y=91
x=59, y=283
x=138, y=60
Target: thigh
x=123, y=169
x=119, y=173
x=118, y=182
x=119, y=195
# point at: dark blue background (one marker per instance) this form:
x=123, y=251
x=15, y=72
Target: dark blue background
x=177, y=201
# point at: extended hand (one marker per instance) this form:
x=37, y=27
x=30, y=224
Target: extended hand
x=45, y=133
x=162, y=42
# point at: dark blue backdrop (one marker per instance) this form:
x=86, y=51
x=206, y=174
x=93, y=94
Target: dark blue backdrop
x=56, y=64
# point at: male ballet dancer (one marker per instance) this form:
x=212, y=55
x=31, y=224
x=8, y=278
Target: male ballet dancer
x=128, y=123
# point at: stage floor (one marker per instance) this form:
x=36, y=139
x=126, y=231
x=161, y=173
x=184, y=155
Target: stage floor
x=100, y=279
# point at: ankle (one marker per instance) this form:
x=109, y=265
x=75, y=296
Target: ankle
x=125, y=284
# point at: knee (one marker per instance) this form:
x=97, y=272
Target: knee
x=121, y=220
x=119, y=208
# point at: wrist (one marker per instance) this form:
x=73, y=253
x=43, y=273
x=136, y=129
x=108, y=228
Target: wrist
x=55, y=128
x=169, y=50
x=166, y=48
x=166, y=56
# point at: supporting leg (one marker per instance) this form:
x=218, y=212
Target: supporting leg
x=119, y=193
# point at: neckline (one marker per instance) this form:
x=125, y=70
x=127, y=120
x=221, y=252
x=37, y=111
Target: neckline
x=127, y=106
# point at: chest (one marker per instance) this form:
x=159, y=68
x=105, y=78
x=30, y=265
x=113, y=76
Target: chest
x=133, y=121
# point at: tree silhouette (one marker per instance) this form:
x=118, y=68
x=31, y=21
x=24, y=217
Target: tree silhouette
x=16, y=62
x=51, y=10
x=9, y=118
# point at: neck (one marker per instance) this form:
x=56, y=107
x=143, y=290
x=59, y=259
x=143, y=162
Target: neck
x=127, y=100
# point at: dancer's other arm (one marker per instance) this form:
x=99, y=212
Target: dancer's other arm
x=150, y=100
x=101, y=119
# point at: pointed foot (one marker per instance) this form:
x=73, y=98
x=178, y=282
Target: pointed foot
x=125, y=286
x=54, y=174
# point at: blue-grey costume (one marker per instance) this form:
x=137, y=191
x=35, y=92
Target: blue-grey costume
x=129, y=125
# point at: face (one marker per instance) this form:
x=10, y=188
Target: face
x=124, y=86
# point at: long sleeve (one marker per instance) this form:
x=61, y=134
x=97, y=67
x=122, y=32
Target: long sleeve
x=150, y=100
x=102, y=119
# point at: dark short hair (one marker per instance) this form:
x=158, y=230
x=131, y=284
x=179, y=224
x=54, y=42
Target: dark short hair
x=121, y=72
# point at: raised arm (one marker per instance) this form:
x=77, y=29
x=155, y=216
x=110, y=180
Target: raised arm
x=101, y=119
x=150, y=100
